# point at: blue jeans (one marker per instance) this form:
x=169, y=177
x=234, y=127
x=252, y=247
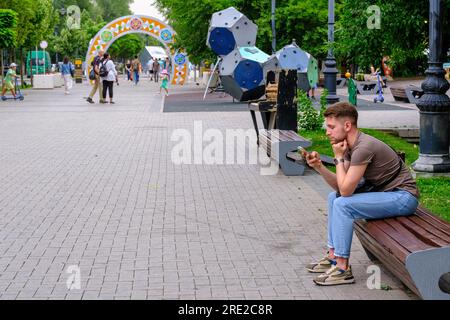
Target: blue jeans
x=136, y=76
x=343, y=211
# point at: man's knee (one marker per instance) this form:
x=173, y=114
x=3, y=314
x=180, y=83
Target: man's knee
x=332, y=196
x=343, y=204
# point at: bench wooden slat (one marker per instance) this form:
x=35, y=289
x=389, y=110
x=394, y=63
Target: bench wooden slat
x=430, y=228
x=434, y=220
x=421, y=233
x=381, y=247
x=388, y=243
x=394, y=240
x=294, y=136
x=401, y=235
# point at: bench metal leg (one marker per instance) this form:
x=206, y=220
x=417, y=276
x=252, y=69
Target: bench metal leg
x=255, y=124
x=272, y=118
x=427, y=268
x=280, y=151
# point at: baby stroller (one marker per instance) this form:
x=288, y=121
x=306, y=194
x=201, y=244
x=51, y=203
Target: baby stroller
x=19, y=95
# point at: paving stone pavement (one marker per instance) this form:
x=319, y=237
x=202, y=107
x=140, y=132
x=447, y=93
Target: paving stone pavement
x=92, y=188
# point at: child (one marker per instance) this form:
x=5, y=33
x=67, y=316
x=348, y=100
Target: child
x=164, y=82
x=10, y=80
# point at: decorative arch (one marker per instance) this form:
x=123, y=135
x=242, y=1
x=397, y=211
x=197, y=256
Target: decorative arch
x=144, y=25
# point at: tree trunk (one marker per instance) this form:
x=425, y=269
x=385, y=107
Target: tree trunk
x=11, y=56
x=1, y=62
x=31, y=69
x=22, y=67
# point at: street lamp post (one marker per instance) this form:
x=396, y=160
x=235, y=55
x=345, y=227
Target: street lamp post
x=274, y=41
x=434, y=104
x=330, y=70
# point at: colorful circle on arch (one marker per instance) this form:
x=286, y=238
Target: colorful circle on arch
x=136, y=24
x=107, y=36
x=180, y=59
x=166, y=35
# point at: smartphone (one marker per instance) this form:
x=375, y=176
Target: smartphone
x=302, y=151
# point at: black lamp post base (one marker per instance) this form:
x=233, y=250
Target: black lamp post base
x=332, y=98
x=432, y=163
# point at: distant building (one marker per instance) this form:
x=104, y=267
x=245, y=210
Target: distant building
x=151, y=52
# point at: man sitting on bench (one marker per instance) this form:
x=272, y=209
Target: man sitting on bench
x=389, y=189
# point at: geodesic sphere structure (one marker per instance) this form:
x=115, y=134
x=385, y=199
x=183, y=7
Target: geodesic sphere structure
x=229, y=29
x=239, y=93
x=242, y=73
x=291, y=57
x=245, y=64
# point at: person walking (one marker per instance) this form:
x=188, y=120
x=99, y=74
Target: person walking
x=155, y=69
x=137, y=68
x=97, y=81
x=161, y=64
x=168, y=65
x=371, y=182
x=148, y=67
x=109, y=78
x=164, y=82
x=128, y=70
x=67, y=70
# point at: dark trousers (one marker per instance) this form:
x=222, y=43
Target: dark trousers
x=156, y=75
x=108, y=85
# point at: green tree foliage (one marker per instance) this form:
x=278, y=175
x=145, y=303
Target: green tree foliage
x=113, y=9
x=8, y=31
x=75, y=42
x=308, y=118
x=35, y=20
x=127, y=46
x=403, y=34
x=303, y=20
x=94, y=16
x=43, y=21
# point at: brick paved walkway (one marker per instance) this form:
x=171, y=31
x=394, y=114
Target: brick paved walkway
x=93, y=186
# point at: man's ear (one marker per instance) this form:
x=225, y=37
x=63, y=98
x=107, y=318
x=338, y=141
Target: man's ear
x=347, y=125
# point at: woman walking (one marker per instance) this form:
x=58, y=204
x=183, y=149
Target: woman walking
x=108, y=77
x=67, y=70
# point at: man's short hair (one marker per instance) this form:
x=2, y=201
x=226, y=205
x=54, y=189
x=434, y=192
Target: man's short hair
x=342, y=110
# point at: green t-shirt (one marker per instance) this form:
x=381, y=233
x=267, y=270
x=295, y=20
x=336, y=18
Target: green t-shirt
x=10, y=75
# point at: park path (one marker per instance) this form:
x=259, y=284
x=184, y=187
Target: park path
x=89, y=193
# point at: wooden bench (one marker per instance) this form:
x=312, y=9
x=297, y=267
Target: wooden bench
x=413, y=93
x=278, y=143
x=416, y=249
x=367, y=87
x=399, y=94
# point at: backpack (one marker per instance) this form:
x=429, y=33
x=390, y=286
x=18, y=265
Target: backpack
x=92, y=74
x=103, y=72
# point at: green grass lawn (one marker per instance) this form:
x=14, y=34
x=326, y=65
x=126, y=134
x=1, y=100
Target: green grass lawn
x=434, y=192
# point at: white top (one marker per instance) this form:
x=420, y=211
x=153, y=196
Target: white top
x=112, y=73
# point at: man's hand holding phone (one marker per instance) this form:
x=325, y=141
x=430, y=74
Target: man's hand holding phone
x=312, y=158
